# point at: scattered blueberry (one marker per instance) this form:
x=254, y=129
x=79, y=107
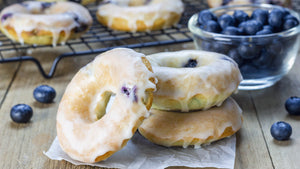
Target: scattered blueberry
x=276, y=19
x=226, y=20
x=212, y=26
x=231, y=30
x=292, y=105
x=240, y=16
x=250, y=27
x=205, y=16
x=281, y=130
x=44, y=94
x=191, y=63
x=260, y=15
x=6, y=16
x=248, y=51
x=21, y=113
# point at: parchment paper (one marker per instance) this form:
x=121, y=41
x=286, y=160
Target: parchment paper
x=139, y=153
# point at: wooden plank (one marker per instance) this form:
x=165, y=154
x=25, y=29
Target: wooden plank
x=270, y=107
x=251, y=149
x=7, y=72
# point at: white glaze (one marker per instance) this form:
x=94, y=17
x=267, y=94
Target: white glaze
x=189, y=82
x=110, y=71
x=157, y=9
x=187, y=127
x=59, y=17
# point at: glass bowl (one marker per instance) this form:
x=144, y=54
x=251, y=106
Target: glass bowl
x=274, y=53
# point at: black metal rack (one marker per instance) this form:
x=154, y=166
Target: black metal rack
x=99, y=39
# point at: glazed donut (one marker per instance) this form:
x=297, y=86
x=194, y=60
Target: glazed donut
x=140, y=15
x=44, y=23
x=168, y=128
x=193, y=79
x=217, y=3
x=85, y=132
x=83, y=2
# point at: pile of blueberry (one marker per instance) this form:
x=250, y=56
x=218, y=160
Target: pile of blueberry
x=261, y=55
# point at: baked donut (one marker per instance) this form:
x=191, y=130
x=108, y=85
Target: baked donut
x=193, y=79
x=139, y=15
x=85, y=132
x=44, y=23
x=83, y=2
x=217, y=3
x=168, y=128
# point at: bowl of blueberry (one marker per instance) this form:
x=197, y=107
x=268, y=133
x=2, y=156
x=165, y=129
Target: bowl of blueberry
x=263, y=39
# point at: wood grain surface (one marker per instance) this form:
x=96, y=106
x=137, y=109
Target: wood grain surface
x=22, y=145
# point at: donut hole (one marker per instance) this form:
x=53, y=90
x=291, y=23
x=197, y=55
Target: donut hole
x=104, y=104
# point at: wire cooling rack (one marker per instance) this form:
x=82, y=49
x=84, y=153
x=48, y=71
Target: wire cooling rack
x=100, y=38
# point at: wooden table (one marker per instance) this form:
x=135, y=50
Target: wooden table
x=22, y=145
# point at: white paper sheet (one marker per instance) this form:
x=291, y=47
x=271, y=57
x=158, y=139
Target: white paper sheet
x=139, y=153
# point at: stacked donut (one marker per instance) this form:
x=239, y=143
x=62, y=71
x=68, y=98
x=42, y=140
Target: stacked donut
x=192, y=105
x=189, y=91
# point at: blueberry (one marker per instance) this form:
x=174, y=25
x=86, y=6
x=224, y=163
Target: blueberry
x=44, y=94
x=77, y=1
x=290, y=23
x=276, y=19
x=268, y=27
x=234, y=54
x=260, y=15
x=250, y=27
x=240, y=16
x=21, y=113
x=205, y=16
x=207, y=46
x=220, y=47
x=264, y=60
x=248, y=71
x=225, y=2
x=46, y=5
x=264, y=32
x=6, y=16
x=290, y=17
x=231, y=30
x=81, y=28
x=281, y=130
x=248, y=51
x=226, y=20
x=212, y=26
x=275, y=47
x=285, y=11
x=292, y=105
x=191, y=63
